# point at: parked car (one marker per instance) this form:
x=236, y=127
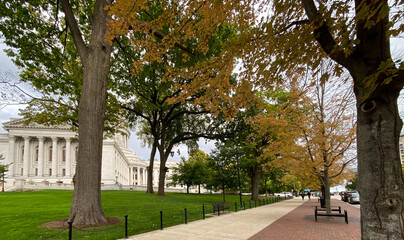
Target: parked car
x=283, y=194
x=346, y=195
x=354, y=198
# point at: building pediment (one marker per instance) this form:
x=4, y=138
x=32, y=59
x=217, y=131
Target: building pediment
x=21, y=123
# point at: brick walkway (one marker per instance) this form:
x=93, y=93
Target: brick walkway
x=300, y=224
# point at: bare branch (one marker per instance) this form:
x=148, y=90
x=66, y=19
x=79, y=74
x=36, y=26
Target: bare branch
x=76, y=33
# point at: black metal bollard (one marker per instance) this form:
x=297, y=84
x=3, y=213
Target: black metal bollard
x=126, y=225
x=161, y=219
x=203, y=211
x=186, y=220
x=235, y=205
x=70, y=222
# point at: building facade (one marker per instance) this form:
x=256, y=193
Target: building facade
x=45, y=156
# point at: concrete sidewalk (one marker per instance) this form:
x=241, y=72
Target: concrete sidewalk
x=235, y=225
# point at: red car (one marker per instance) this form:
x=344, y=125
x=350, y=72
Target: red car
x=345, y=196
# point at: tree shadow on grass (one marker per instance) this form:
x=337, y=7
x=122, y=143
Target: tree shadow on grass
x=62, y=224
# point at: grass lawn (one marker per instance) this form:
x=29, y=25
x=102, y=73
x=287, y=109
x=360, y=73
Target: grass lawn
x=22, y=214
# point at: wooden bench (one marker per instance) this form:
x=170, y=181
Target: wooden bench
x=345, y=214
x=219, y=207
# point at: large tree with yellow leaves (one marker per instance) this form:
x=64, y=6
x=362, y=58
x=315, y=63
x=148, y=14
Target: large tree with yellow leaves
x=356, y=36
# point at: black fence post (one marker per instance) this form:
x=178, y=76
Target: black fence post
x=186, y=220
x=161, y=219
x=218, y=211
x=126, y=225
x=203, y=211
x=70, y=222
x=255, y=203
x=244, y=204
x=235, y=205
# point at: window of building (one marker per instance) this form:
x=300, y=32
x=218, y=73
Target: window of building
x=22, y=154
x=50, y=171
x=64, y=172
x=36, y=171
x=22, y=171
x=76, y=154
x=50, y=153
x=64, y=154
x=36, y=153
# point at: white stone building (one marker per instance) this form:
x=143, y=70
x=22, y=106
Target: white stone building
x=45, y=157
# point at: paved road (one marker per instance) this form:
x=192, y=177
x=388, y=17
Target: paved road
x=290, y=219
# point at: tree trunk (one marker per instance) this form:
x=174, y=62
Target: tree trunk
x=255, y=182
x=224, y=195
x=187, y=188
x=380, y=181
x=162, y=175
x=376, y=88
x=150, y=189
x=199, y=188
x=86, y=206
x=327, y=197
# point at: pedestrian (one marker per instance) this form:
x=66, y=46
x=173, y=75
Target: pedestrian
x=308, y=195
x=302, y=194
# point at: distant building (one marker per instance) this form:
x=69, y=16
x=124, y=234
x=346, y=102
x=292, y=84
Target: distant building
x=45, y=157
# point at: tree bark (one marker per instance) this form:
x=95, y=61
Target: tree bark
x=327, y=197
x=255, y=182
x=380, y=181
x=162, y=174
x=86, y=206
x=150, y=189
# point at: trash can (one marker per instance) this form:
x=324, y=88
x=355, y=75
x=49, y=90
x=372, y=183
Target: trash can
x=322, y=202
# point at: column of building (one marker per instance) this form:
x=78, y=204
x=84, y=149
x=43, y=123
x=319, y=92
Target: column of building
x=41, y=156
x=145, y=176
x=68, y=157
x=54, y=157
x=26, y=161
x=138, y=176
x=11, y=148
